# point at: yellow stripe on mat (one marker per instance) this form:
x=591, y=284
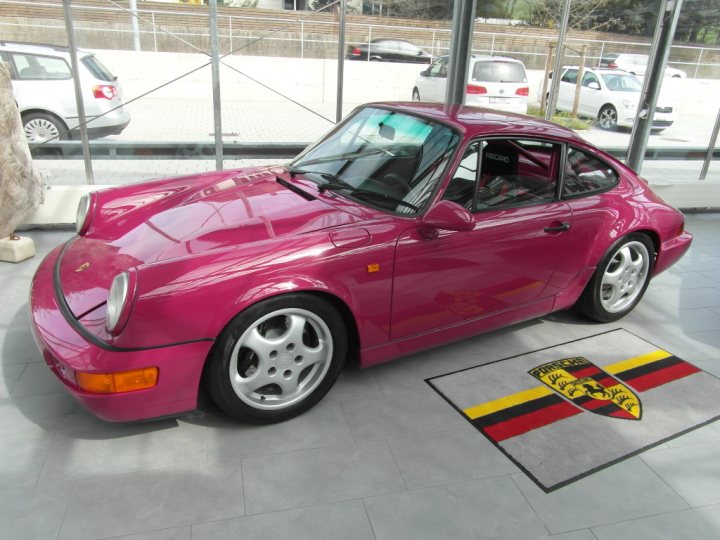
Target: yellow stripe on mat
x=508, y=401
x=630, y=363
x=476, y=411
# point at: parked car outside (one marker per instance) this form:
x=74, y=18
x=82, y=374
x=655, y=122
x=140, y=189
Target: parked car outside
x=611, y=96
x=496, y=82
x=408, y=226
x=45, y=93
x=389, y=50
x=636, y=64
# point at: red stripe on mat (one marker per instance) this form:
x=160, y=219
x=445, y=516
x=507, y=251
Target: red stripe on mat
x=528, y=422
x=663, y=376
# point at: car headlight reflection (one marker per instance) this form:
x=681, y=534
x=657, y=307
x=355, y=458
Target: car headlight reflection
x=83, y=216
x=118, y=302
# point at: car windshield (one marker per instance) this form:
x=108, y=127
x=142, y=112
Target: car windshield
x=496, y=71
x=621, y=83
x=384, y=158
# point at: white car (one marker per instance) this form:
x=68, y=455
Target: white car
x=495, y=82
x=636, y=64
x=45, y=93
x=610, y=96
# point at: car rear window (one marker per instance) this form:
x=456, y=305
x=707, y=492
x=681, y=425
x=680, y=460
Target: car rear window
x=98, y=70
x=498, y=71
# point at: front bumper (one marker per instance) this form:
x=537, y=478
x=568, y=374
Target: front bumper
x=66, y=351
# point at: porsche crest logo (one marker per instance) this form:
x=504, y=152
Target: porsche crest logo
x=589, y=387
x=83, y=266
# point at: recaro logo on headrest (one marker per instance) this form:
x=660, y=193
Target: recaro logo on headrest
x=498, y=157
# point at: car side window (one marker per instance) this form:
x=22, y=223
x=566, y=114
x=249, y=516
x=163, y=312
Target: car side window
x=589, y=78
x=585, y=174
x=37, y=67
x=438, y=68
x=508, y=172
x=570, y=76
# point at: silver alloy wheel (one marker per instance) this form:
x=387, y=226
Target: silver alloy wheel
x=608, y=118
x=416, y=95
x=41, y=130
x=624, y=277
x=281, y=359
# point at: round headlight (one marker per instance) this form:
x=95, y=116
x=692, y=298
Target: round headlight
x=82, y=219
x=117, y=302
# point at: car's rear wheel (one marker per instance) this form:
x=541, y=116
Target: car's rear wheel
x=416, y=95
x=607, y=117
x=620, y=279
x=278, y=358
x=41, y=127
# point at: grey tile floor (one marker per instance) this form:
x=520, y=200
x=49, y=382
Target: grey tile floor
x=381, y=457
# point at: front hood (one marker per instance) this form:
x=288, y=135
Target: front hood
x=184, y=218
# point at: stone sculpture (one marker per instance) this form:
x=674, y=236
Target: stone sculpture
x=21, y=187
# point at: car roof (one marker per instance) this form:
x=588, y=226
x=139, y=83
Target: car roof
x=476, y=121
x=603, y=70
x=378, y=40
x=32, y=47
x=487, y=57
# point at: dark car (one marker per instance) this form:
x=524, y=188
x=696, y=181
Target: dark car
x=389, y=50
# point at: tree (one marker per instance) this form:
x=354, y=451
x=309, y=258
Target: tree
x=584, y=14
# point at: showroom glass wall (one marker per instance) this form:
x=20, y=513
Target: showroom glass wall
x=278, y=72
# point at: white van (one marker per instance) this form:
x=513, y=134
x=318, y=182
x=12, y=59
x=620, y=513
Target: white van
x=495, y=82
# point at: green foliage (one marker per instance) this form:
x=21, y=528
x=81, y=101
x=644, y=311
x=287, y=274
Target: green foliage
x=563, y=119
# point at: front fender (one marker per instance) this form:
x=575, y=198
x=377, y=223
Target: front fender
x=195, y=297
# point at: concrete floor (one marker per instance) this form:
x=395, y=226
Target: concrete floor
x=382, y=456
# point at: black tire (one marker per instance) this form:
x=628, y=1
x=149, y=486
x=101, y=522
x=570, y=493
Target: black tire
x=416, y=95
x=41, y=127
x=595, y=301
x=607, y=117
x=300, y=341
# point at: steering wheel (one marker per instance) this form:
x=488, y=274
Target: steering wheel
x=397, y=182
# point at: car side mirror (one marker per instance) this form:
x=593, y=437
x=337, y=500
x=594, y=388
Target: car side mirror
x=423, y=73
x=594, y=85
x=446, y=216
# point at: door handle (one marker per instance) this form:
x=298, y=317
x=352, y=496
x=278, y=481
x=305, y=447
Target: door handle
x=564, y=226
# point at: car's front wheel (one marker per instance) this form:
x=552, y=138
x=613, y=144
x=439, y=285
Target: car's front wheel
x=620, y=279
x=278, y=358
x=416, y=94
x=607, y=117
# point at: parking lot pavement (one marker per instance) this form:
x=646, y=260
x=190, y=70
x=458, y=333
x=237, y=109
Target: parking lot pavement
x=188, y=120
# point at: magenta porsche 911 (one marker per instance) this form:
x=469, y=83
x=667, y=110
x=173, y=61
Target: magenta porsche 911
x=406, y=227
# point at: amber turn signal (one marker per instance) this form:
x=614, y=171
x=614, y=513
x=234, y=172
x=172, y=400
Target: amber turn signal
x=117, y=382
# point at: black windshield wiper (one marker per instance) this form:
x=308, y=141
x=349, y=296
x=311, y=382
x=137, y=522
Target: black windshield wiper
x=335, y=183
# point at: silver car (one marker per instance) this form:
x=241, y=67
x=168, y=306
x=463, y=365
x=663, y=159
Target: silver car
x=495, y=82
x=45, y=94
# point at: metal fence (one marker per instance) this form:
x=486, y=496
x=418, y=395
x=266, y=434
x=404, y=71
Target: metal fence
x=307, y=36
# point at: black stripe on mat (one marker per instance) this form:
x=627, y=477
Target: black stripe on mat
x=652, y=367
x=517, y=410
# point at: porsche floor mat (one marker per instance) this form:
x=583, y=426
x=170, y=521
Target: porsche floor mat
x=567, y=411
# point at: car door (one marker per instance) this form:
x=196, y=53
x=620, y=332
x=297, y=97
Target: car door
x=591, y=99
x=505, y=261
x=566, y=95
x=435, y=81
